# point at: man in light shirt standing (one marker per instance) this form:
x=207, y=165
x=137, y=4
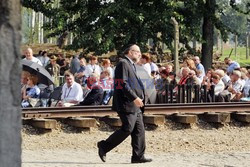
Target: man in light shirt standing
x=93, y=67
x=232, y=65
x=145, y=59
x=29, y=56
x=71, y=92
x=199, y=66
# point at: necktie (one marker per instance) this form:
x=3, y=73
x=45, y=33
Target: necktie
x=134, y=67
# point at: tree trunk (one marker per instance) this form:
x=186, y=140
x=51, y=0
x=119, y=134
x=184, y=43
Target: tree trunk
x=33, y=21
x=247, y=45
x=10, y=119
x=208, y=34
x=235, y=45
x=41, y=29
x=62, y=40
x=176, y=45
x=222, y=45
x=194, y=44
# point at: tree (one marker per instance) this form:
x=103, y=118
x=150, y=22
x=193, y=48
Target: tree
x=10, y=120
x=208, y=34
x=102, y=25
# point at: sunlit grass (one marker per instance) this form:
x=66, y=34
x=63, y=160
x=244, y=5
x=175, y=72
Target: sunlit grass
x=240, y=58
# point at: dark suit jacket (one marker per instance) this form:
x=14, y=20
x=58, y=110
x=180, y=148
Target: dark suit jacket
x=127, y=87
x=94, y=97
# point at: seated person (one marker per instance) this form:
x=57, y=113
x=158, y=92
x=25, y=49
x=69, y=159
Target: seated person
x=24, y=81
x=233, y=88
x=71, y=91
x=32, y=92
x=106, y=83
x=246, y=89
x=218, y=86
x=184, y=76
x=162, y=82
x=95, y=96
x=193, y=79
x=172, y=78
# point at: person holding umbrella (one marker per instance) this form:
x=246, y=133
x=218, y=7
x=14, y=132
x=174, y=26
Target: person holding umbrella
x=31, y=92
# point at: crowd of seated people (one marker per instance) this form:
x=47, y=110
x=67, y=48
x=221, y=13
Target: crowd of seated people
x=91, y=82
x=228, y=84
x=77, y=87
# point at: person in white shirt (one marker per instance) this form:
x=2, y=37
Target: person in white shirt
x=218, y=84
x=154, y=67
x=106, y=67
x=92, y=67
x=29, y=56
x=223, y=76
x=45, y=60
x=145, y=59
x=234, y=87
x=72, y=92
x=246, y=92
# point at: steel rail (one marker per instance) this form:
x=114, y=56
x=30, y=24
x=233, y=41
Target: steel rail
x=78, y=111
x=148, y=105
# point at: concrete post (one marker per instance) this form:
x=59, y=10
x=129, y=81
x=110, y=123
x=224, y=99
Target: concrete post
x=222, y=45
x=235, y=45
x=176, y=43
x=247, y=45
x=10, y=119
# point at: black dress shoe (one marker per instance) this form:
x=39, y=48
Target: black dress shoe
x=141, y=160
x=101, y=152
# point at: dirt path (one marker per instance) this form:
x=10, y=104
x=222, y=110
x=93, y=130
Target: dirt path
x=78, y=158
x=171, y=145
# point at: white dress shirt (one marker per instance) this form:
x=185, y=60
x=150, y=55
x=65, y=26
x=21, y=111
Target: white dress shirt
x=219, y=87
x=73, y=93
x=147, y=67
x=92, y=69
x=36, y=60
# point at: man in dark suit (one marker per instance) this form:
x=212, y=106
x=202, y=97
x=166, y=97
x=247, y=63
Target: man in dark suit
x=128, y=102
x=95, y=96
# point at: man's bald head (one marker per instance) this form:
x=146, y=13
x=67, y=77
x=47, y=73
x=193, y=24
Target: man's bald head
x=196, y=60
x=28, y=54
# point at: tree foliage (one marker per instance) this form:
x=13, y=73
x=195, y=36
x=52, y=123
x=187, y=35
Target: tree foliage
x=104, y=25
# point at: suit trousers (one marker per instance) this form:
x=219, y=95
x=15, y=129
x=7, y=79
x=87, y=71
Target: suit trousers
x=132, y=124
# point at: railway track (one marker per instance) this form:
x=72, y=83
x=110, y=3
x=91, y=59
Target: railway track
x=154, y=109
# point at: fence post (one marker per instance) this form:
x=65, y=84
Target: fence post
x=196, y=93
x=189, y=93
x=212, y=93
x=167, y=92
x=183, y=88
x=171, y=88
x=179, y=94
x=204, y=93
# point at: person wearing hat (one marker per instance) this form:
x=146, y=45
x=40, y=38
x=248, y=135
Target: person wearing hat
x=54, y=69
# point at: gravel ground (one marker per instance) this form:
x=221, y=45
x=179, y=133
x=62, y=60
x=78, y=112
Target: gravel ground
x=170, y=145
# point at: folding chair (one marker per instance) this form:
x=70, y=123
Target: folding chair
x=55, y=95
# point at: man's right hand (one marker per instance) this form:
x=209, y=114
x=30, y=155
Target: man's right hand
x=138, y=102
